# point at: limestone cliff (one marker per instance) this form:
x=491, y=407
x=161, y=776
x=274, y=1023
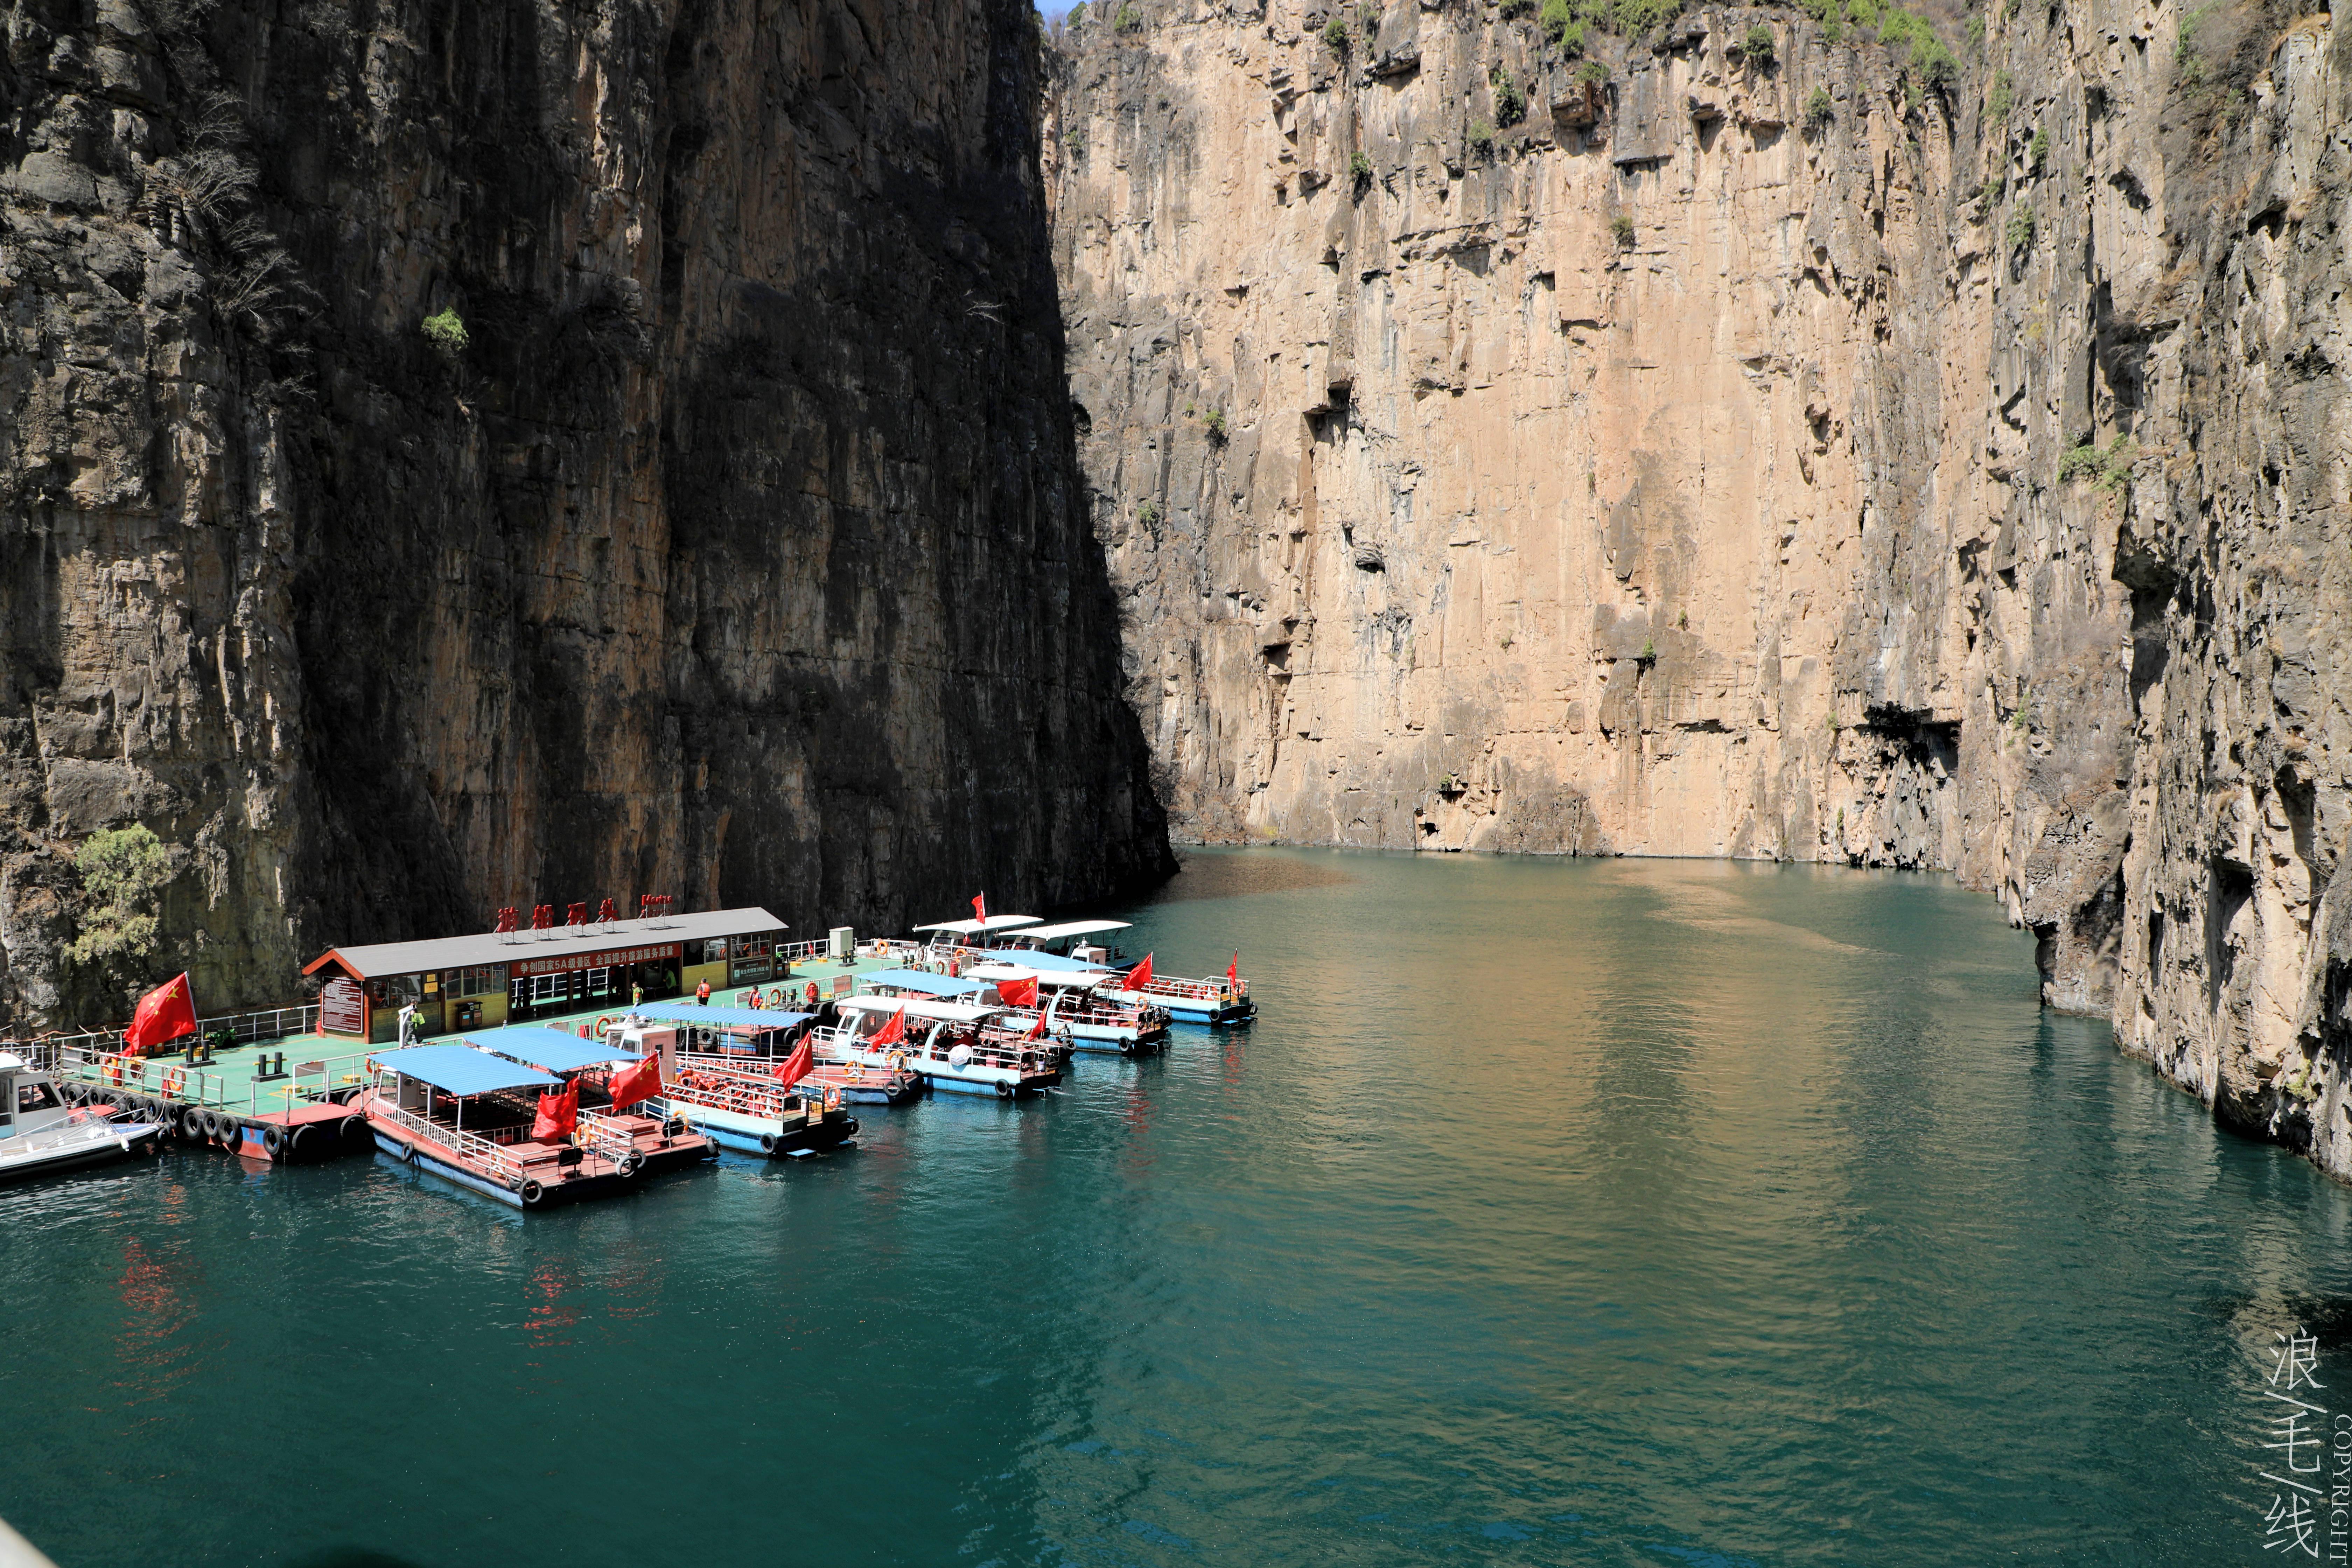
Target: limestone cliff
x=1760, y=445
x=735, y=554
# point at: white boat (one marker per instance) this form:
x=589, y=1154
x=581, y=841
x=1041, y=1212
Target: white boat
x=1082, y=1006
x=944, y=1042
x=39, y=1133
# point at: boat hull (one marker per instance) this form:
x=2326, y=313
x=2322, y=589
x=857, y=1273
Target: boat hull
x=753, y=1135
x=118, y=1142
x=433, y=1161
x=1212, y=1014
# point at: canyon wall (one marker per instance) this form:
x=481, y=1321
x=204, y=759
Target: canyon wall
x=1755, y=448
x=737, y=553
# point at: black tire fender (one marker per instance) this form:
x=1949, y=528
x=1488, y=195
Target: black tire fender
x=767, y=1142
x=530, y=1192
x=273, y=1139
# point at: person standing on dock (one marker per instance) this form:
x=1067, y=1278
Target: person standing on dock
x=702, y=995
x=637, y=994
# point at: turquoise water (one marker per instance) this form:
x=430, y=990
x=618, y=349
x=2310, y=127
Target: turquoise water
x=1619, y=1212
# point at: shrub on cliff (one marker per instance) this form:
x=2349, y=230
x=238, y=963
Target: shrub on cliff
x=1129, y=20
x=2003, y=97
x=1592, y=73
x=445, y=330
x=1359, y=171
x=1511, y=103
x=1756, y=49
x=2037, y=151
x=2019, y=231
x=1077, y=16
x=123, y=871
x=1620, y=230
x=1335, y=35
x=1482, y=139
x=1819, y=111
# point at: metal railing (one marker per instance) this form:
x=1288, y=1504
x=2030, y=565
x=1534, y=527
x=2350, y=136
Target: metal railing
x=931, y=1054
x=607, y=1138
x=169, y=1079
x=466, y=1145
x=250, y=1029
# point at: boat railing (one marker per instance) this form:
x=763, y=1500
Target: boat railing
x=248, y=1028
x=470, y=1146
x=172, y=1078
x=1192, y=990
x=608, y=1137
x=719, y=1086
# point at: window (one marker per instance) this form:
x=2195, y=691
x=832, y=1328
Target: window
x=35, y=1097
x=754, y=946
x=486, y=981
x=715, y=951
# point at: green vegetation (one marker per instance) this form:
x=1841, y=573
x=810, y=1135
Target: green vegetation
x=1214, y=421
x=1649, y=654
x=1360, y=170
x=1511, y=103
x=2004, y=96
x=1989, y=192
x=1756, y=49
x=1077, y=16
x=2188, y=60
x=1977, y=33
x=2019, y=231
x=1482, y=139
x=1620, y=230
x=1335, y=34
x=1819, y=111
x=1147, y=514
x=1129, y=20
x=2037, y=151
x=122, y=869
x=1592, y=73
x=1560, y=25
x=445, y=331
x=2109, y=469
x=1368, y=19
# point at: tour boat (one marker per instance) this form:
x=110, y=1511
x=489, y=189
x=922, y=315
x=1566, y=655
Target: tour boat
x=424, y=1097
x=661, y=1140
x=1077, y=1007
x=41, y=1133
x=747, y=1110
x=758, y=1033
x=943, y=1042
x=1068, y=940
x=697, y=1041
x=1219, y=1001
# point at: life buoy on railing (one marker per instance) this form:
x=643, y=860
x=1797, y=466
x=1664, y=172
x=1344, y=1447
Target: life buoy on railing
x=175, y=1080
x=604, y=1022
x=113, y=1069
x=776, y=998
x=833, y=1097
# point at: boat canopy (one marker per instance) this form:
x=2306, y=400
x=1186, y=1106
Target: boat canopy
x=720, y=1018
x=11, y=1062
x=553, y=1049
x=918, y=980
x=1057, y=963
x=462, y=1070
x=1071, y=928
x=1063, y=979
x=921, y=1007
x=976, y=928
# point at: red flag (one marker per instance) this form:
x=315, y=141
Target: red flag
x=1138, y=978
x=980, y=907
x=1233, y=973
x=1017, y=993
x=796, y=1067
x=892, y=1032
x=642, y=1082
x=558, y=1113
x=1037, y=1029
x=164, y=1014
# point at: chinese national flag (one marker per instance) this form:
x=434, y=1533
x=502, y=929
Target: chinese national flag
x=642, y=1082
x=980, y=906
x=796, y=1067
x=1017, y=993
x=892, y=1032
x=164, y=1014
x=558, y=1115
x=1233, y=973
x=1138, y=978
x=1037, y=1029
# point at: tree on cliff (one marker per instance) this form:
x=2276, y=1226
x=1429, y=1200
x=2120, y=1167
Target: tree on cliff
x=122, y=869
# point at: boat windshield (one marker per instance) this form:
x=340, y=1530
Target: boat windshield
x=36, y=1094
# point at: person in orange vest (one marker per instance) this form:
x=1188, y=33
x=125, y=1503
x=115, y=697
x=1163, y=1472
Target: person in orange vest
x=702, y=995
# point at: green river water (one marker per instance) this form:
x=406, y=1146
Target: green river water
x=1585, y=1212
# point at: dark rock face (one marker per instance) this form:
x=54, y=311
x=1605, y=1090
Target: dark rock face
x=736, y=555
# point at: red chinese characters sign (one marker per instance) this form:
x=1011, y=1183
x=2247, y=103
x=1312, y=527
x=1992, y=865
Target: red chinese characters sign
x=607, y=959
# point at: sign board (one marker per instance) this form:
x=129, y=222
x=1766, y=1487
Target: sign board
x=573, y=963
x=342, y=1008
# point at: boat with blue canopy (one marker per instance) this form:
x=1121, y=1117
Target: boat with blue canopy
x=949, y=1044
x=661, y=1137
x=467, y=1116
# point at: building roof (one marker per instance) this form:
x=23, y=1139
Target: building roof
x=561, y=941
x=554, y=1050
x=457, y=1070
x=720, y=1018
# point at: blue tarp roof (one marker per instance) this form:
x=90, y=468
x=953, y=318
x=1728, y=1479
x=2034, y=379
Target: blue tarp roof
x=557, y=1050
x=461, y=1070
x=720, y=1018
x=916, y=980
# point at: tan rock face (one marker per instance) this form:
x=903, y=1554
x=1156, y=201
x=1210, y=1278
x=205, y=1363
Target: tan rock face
x=1788, y=460
x=738, y=556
